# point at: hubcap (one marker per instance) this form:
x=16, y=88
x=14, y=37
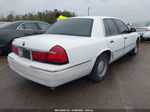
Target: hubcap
x=102, y=67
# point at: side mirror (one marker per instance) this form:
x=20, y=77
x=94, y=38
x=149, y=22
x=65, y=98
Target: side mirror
x=132, y=30
x=128, y=24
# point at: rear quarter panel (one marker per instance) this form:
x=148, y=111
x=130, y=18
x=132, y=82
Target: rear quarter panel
x=91, y=47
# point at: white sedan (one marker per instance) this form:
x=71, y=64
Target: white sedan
x=73, y=48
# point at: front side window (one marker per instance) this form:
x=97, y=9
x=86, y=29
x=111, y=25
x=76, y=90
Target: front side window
x=28, y=26
x=112, y=27
x=75, y=27
x=121, y=26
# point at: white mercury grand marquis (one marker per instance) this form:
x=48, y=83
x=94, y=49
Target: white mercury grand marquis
x=73, y=48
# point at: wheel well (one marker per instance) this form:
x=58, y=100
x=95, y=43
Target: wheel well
x=108, y=53
x=138, y=39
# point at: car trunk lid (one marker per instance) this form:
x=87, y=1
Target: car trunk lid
x=46, y=41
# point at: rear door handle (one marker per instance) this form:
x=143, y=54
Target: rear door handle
x=112, y=41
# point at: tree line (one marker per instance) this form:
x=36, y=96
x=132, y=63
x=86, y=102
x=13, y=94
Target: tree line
x=46, y=16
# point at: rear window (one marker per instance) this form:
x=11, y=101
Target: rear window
x=75, y=27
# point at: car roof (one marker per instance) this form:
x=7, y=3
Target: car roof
x=96, y=17
x=23, y=21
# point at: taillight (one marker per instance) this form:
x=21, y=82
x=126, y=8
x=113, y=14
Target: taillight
x=56, y=55
x=39, y=56
x=15, y=49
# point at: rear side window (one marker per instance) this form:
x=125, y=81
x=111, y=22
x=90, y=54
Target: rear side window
x=107, y=30
x=112, y=27
x=122, y=27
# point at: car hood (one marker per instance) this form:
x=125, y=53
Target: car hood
x=47, y=41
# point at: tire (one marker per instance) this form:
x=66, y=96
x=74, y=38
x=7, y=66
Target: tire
x=136, y=49
x=10, y=49
x=142, y=40
x=100, y=68
x=0, y=53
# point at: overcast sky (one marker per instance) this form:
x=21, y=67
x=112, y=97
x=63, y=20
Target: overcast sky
x=129, y=10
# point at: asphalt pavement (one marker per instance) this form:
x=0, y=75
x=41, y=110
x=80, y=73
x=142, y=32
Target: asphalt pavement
x=127, y=86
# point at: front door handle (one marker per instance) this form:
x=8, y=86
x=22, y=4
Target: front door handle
x=112, y=41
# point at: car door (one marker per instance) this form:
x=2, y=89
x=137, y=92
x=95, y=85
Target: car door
x=129, y=38
x=114, y=39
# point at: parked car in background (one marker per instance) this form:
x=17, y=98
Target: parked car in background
x=146, y=35
x=73, y=48
x=142, y=28
x=11, y=30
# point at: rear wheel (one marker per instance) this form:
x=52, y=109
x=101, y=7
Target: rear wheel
x=100, y=69
x=9, y=47
x=0, y=53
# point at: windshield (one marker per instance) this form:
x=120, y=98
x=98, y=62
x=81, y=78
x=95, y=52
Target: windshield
x=75, y=27
x=141, y=24
x=5, y=24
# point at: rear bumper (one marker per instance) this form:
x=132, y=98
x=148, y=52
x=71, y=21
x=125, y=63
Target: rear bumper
x=53, y=77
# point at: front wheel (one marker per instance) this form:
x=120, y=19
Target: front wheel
x=100, y=68
x=136, y=48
